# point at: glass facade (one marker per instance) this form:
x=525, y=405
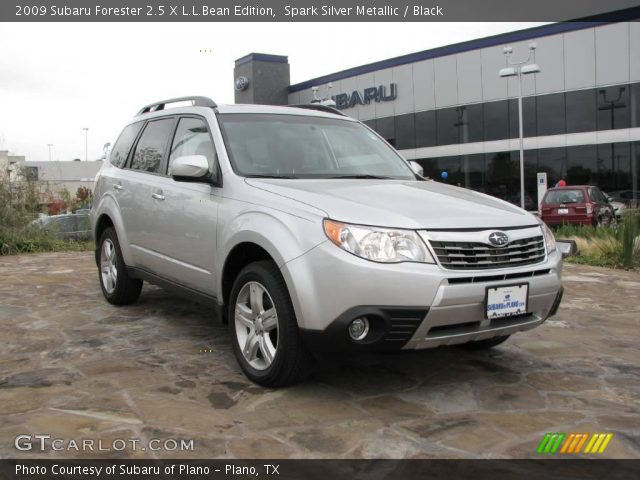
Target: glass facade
x=551, y=114
x=614, y=167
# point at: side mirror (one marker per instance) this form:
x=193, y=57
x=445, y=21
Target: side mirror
x=189, y=167
x=417, y=168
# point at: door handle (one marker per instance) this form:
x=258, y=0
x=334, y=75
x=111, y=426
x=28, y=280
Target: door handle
x=158, y=196
x=117, y=186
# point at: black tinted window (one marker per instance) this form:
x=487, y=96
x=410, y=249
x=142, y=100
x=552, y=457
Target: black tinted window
x=151, y=146
x=405, y=131
x=496, y=120
x=426, y=129
x=613, y=108
x=550, y=114
x=123, y=145
x=581, y=111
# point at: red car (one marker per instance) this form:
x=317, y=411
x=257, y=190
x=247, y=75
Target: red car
x=576, y=204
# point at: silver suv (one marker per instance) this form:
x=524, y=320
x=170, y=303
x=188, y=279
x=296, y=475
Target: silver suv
x=308, y=233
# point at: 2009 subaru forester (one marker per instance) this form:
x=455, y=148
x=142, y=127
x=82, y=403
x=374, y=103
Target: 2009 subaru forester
x=308, y=232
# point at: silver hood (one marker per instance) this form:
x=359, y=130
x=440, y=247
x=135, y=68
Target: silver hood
x=399, y=204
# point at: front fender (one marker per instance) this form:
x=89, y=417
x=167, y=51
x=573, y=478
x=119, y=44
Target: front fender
x=283, y=236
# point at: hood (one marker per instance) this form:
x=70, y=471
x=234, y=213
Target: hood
x=399, y=204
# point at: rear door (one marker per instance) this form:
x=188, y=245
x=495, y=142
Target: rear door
x=185, y=213
x=143, y=172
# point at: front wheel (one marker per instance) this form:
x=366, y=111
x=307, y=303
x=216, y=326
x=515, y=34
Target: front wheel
x=485, y=344
x=264, y=329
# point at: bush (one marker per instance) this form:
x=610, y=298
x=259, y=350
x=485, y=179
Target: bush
x=23, y=241
x=617, y=246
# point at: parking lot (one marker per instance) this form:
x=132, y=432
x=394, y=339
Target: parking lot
x=75, y=367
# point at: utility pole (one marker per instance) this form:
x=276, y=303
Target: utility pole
x=49, y=145
x=86, y=140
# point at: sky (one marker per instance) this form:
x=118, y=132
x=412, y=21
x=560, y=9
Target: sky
x=58, y=78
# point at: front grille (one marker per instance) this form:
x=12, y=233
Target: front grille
x=480, y=256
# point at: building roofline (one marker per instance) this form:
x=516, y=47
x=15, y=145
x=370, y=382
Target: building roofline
x=262, y=57
x=475, y=44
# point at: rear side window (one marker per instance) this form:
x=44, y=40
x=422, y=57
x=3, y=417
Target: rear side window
x=150, y=149
x=192, y=138
x=123, y=145
x=564, y=195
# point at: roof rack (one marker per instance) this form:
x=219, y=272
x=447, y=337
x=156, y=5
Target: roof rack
x=197, y=102
x=319, y=107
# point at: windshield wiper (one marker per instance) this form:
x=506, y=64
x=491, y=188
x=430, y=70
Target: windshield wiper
x=269, y=176
x=378, y=177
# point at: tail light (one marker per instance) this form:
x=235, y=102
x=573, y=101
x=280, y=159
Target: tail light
x=589, y=208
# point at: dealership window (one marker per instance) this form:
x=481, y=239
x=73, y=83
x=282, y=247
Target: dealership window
x=473, y=166
x=635, y=104
x=405, y=131
x=581, y=111
x=371, y=124
x=425, y=123
x=496, y=120
x=387, y=129
x=530, y=178
x=550, y=114
x=502, y=176
x=450, y=170
x=471, y=123
x=447, y=126
x=613, y=107
x=582, y=165
x=614, y=166
x=151, y=146
x=528, y=117
x=553, y=161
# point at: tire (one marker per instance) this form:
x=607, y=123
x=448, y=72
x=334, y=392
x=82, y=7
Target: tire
x=260, y=289
x=485, y=344
x=117, y=287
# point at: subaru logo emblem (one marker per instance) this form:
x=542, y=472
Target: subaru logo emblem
x=242, y=83
x=499, y=239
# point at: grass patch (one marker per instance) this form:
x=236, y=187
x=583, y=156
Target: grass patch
x=16, y=242
x=614, y=247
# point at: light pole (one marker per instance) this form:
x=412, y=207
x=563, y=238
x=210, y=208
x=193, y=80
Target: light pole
x=611, y=105
x=49, y=145
x=86, y=139
x=518, y=69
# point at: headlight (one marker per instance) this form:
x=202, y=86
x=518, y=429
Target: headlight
x=378, y=244
x=549, y=239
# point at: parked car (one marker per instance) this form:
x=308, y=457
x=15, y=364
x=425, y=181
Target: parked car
x=66, y=226
x=629, y=197
x=576, y=204
x=309, y=233
x=618, y=207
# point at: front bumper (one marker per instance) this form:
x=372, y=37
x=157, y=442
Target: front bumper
x=330, y=287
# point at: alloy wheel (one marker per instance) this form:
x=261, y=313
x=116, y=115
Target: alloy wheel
x=256, y=322
x=108, y=266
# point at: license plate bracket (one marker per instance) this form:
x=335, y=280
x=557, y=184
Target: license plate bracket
x=503, y=301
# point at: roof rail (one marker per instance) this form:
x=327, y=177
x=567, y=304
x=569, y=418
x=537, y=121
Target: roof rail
x=319, y=107
x=197, y=102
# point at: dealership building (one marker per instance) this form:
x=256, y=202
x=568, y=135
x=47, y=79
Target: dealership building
x=449, y=109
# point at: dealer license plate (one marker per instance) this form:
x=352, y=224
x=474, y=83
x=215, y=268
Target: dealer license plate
x=563, y=211
x=506, y=301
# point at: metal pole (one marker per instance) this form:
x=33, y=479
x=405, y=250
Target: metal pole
x=49, y=145
x=521, y=135
x=86, y=140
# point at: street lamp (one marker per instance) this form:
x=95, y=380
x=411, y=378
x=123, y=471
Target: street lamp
x=518, y=69
x=49, y=145
x=86, y=139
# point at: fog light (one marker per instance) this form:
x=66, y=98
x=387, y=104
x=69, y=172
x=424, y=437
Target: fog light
x=359, y=328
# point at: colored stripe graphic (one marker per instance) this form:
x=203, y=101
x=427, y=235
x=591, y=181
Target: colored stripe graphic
x=557, y=442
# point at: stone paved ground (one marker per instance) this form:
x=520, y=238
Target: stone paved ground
x=77, y=368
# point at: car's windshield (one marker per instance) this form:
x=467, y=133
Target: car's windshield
x=564, y=195
x=298, y=146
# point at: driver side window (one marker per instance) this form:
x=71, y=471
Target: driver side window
x=192, y=138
